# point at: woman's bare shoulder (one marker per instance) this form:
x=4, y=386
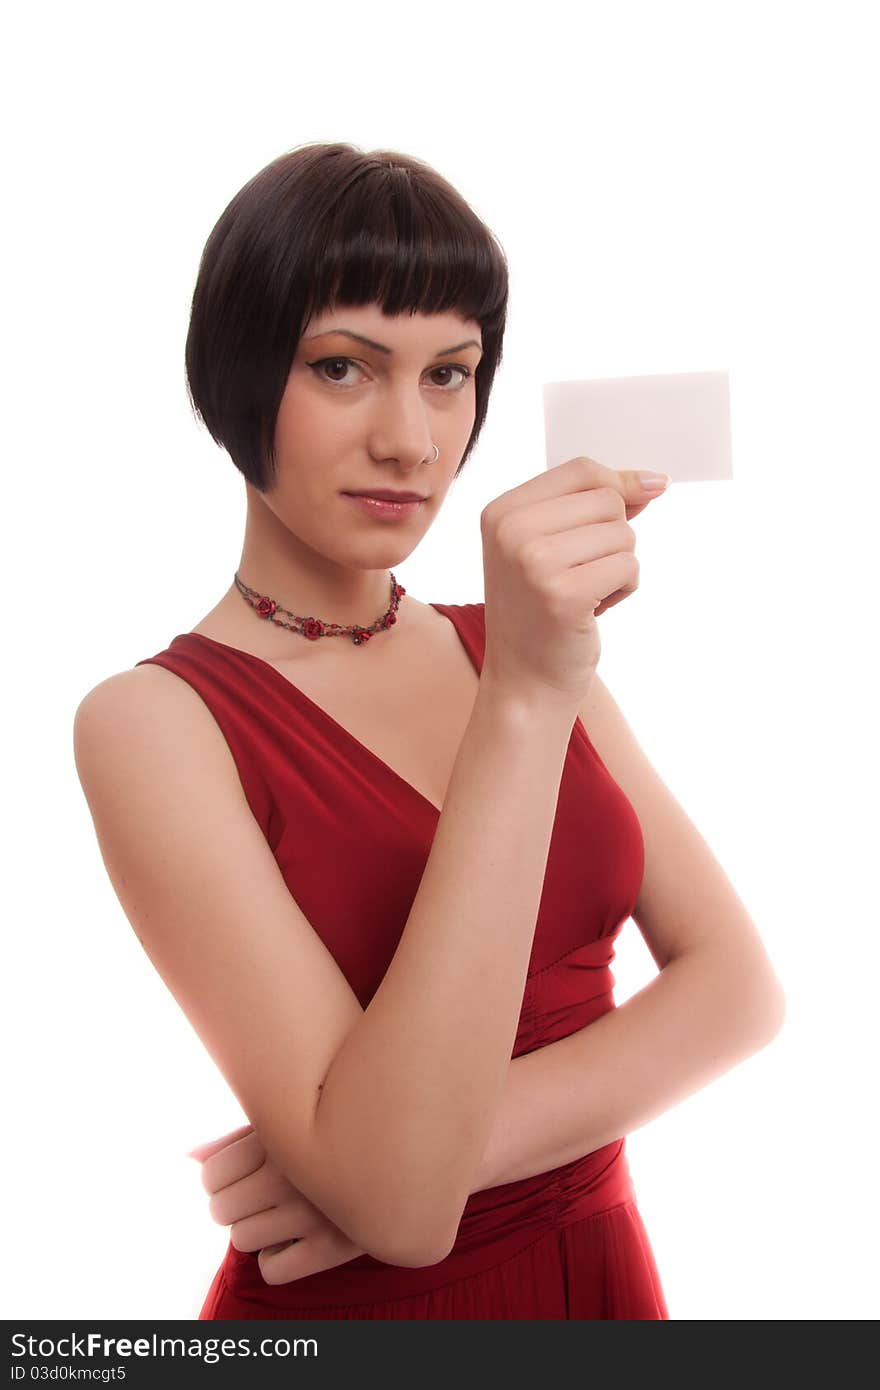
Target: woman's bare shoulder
x=141, y=705
x=121, y=685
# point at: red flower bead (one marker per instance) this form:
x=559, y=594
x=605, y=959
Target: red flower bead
x=266, y=607
x=313, y=628
x=362, y=634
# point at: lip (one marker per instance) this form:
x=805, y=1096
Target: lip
x=380, y=509
x=387, y=495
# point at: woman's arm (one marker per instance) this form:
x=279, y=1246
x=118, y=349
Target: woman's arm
x=381, y=1114
x=701, y=1016
x=715, y=1002
x=704, y=1013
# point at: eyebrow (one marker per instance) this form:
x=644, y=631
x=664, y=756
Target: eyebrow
x=380, y=347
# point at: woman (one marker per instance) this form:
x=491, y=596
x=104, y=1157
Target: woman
x=379, y=849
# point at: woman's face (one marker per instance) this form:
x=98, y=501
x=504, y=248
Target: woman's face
x=354, y=416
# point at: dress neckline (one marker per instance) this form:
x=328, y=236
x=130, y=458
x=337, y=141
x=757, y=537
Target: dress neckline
x=294, y=692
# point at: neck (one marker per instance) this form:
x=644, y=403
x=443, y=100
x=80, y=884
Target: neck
x=281, y=566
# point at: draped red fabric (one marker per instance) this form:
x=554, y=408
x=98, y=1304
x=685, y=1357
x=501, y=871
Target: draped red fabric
x=569, y=1243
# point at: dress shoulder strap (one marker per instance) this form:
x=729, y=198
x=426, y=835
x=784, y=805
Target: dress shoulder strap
x=236, y=707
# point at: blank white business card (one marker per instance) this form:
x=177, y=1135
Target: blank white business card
x=677, y=424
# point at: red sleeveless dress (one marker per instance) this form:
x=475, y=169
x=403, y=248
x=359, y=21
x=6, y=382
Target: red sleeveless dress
x=569, y=1243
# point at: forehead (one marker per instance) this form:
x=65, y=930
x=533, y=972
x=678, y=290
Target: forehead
x=399, y=329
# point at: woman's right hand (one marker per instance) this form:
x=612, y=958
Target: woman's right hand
x=555, y=549
x=266, y=1213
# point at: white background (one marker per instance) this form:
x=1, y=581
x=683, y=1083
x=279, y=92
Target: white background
x=677, y=187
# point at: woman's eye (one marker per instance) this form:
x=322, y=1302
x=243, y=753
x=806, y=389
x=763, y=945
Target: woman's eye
x=465, y=373
x=331, y=362
x=335, y=363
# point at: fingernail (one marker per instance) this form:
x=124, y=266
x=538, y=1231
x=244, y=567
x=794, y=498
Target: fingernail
x=654, y=482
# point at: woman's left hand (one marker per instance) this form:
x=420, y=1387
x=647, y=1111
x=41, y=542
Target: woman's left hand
x=266, y=1212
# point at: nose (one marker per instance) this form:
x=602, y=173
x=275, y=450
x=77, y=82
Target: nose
x=402, y=430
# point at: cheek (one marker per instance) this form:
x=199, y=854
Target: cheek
x=294, y=404
x=307, y=409
x=300, y=424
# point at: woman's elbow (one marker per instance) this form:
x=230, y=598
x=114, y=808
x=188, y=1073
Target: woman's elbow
x=415, y=1253
x=766, y=1014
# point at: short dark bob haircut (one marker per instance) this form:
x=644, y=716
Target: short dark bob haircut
x=322, y=226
